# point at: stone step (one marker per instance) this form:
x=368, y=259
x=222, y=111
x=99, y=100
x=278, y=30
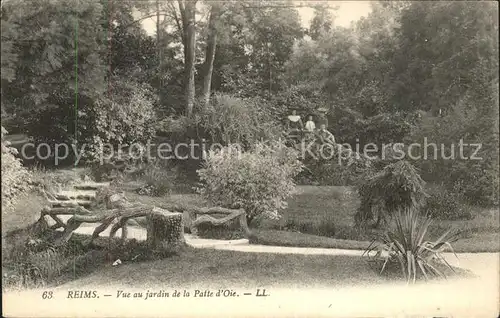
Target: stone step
x=76, y=194
x=91, y=185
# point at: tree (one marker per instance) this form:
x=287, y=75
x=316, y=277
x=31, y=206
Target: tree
x=187, y=9
x=451, y=71
x=208, y=66
x=254, y=42
x=322, y=21
x=58, y=44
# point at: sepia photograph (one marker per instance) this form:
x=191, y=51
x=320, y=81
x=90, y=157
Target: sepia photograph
x=250, y=158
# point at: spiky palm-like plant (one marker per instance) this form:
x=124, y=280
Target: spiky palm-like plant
x=406, y=243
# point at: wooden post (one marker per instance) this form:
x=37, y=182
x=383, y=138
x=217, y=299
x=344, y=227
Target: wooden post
x=164, y=229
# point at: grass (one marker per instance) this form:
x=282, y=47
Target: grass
x=479, y=243
x=322, y=209
x=83, y=267
x=287, y=238
x=328, y=211
x=197, y=268
x=314, y=209
x=30, y=260
x=226, y=268
x=186, y=198
x=205, y=268
x=26, y=211
x=313, y=204
x=28, y=206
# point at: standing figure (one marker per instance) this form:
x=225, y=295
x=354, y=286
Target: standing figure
x=310, y=127
x=294, y=125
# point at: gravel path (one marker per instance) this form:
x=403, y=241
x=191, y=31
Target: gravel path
x=472, y=261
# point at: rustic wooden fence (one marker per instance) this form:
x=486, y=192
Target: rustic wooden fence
x=164, y=226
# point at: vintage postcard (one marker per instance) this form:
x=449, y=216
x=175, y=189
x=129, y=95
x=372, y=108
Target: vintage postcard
x=250, y=158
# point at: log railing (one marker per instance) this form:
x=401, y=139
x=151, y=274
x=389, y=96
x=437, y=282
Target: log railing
x=164, y=225
x=171, y=223
x=204, y=215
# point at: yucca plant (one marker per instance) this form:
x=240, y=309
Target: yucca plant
x=406, y=243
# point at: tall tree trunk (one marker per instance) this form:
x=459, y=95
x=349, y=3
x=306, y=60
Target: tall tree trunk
x=188, y=12
x=210, y=54
x=158, y=49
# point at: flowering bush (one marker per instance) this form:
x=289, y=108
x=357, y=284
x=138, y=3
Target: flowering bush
x=15, y=178
x=259, y=180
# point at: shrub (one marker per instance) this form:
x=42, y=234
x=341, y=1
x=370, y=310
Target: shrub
x=324, y=227
x=465, y=121
x=397, y=187
x=124, y=118
x=229, y=119
x=53, y=180
x=332, y=173
x=15, y=178
x=175, y=126
x=445, y=205
x=259, y=180
x=481, y=185
x=227, y=231
x=353, y=128
x=333, y=165
x=406, y=244
x=160, y=180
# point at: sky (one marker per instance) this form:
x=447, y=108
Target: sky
x=348, y=11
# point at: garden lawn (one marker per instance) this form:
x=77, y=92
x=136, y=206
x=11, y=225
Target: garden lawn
x=207, y=268
x=478, y=243
x=297, y=239
x=329, y=211
x=324, y=210
x=185, y=198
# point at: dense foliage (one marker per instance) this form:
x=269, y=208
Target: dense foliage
x=54, y=65
x=15, y=178
x=84, y=72
x=443, y=204
x=229, y=119
x=124, y=117
x=397, y=187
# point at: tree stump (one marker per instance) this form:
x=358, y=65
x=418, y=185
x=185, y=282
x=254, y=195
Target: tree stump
x=164, y=230
x=187, y=220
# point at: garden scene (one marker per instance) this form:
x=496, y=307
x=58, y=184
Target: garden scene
x=251, y=144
